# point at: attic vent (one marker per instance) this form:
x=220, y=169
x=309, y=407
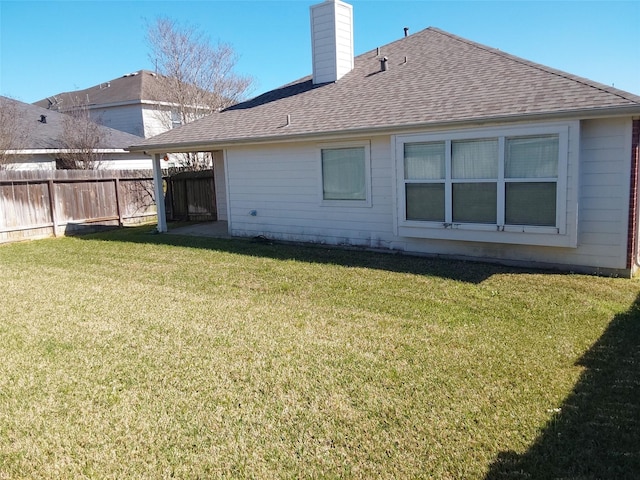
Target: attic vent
x=383, y=64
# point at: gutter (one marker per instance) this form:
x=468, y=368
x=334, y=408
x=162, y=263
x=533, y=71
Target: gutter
x=48, y=151
x=124, y=103
x=198, y=146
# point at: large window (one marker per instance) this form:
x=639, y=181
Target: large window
x=512, y=180
x=474, y=173
x=345, y=175
x=531, y=174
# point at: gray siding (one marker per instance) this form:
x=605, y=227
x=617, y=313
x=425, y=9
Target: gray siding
x=126, y=118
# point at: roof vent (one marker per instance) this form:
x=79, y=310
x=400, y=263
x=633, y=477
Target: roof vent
x=383, y=64
x=406, y=31
x=43, y=119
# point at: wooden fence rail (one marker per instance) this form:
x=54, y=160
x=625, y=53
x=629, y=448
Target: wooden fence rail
x=42, y=203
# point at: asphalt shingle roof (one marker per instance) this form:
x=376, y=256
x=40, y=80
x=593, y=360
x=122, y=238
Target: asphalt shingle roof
x=131, y=87
x=48, y=135
x=433, y=77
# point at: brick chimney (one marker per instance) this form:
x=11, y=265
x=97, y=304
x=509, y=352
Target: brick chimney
x=331, y=40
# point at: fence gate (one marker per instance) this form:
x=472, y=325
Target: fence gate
x=191, y=196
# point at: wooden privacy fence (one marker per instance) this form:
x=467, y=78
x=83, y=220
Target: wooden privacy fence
x=191, y=196
x=41, y=203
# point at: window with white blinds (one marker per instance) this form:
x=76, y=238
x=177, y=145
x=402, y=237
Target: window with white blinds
x=493, y=180
x=345, y=174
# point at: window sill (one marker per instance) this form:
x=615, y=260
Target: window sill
x=539, y=236
x=346, y=203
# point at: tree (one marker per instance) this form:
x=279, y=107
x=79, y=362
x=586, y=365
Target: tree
x=196, y=77
x=81, y=141
x=14, y=131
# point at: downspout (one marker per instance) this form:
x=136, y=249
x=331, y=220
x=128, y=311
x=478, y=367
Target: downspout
x=159, y=194
x=633, y=248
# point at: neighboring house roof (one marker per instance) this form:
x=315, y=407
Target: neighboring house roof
x=133, y=87
x=47, y=136
x=432, y=78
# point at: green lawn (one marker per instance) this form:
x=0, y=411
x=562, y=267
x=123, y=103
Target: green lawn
x=132, y=355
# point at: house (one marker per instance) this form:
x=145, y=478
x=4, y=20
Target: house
x=136, y=103
x=432, y=144
x=33, y=138
x=129, y=103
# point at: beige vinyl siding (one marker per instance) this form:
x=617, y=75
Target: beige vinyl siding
x=605, y=176
x=156, y=121
x=281, y=184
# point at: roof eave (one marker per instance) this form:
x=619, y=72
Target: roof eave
x=575, y=114
x=50, y=151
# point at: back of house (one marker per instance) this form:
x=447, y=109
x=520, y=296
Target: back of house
x=432, y=144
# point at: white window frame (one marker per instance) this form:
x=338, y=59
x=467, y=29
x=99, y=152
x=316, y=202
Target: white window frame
x=366, y=146
x=563, y=233
x=175, y=119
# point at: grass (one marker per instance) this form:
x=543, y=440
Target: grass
x=131, y=355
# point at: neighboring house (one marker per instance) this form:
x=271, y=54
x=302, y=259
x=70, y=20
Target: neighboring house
x=129, y=103
x=135, y=103
x=39, y=140
x=434, y=145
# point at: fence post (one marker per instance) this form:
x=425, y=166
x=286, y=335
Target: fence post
x=118, y=205
x=52, y=206
x=159, y=193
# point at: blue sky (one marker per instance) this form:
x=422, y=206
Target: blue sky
x=47, y=47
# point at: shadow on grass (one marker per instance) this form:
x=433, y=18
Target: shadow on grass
x=596, y=434
x=464, y=271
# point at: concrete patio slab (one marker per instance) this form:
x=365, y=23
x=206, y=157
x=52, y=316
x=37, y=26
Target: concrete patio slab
x=207, y=229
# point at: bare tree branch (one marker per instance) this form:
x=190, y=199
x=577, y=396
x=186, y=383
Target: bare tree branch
x=14, y=132
x=81, y=141
x=197, y=78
